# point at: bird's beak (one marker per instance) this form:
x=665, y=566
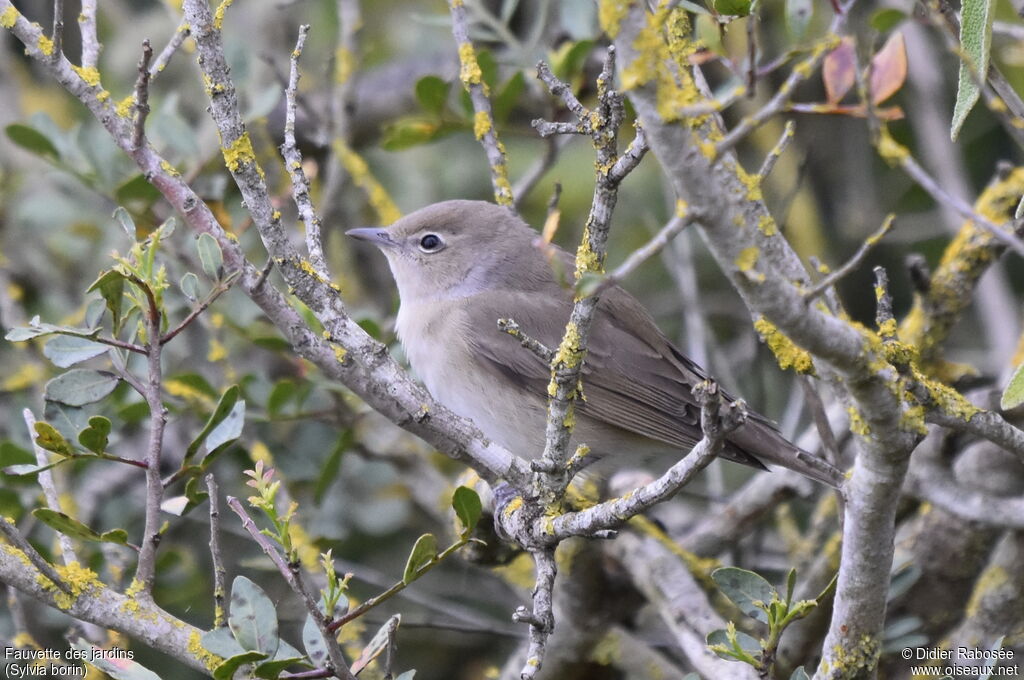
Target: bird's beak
x=375, y=235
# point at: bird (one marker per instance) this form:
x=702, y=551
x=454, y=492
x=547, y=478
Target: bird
x=460, y=265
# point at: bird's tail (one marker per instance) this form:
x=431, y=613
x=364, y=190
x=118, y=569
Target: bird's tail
x=758, y=442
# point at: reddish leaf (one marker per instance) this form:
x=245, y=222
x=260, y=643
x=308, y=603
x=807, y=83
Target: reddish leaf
x=839, y=71
x=888, y=68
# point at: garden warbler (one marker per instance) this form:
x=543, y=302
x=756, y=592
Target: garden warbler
x=462, y=265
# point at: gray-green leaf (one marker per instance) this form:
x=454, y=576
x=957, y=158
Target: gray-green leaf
x=67, y=350
x=976, y=42
x=80, y=386
x=1013, y=395
x=210, y=255
x=745, y=588
x=252, y=617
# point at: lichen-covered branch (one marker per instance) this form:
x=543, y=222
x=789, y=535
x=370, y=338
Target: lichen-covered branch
x=483, y=120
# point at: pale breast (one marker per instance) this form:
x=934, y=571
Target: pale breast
x=433, y=337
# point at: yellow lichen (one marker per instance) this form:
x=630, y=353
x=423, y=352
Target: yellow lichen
x=787, y=354
x=124, y=107
x=238, y=153
x=469, y=71
x=751, y=182
x=218, y=15
x=481, y=124
x=78, y=578
x=610, y=14
x=202, y=655
x=682, y=207
x=747, y=258
x=891, y=151
x=857, y=423
x=387, y=211
x=9, y=16
x=169, y=169
x=90, y=75
x=45, y=45
x=345, y=65
x=340, y=353
x=766, y=225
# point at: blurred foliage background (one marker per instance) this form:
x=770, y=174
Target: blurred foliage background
x=362, y=484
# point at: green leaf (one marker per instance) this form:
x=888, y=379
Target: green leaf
x=227, y=431
x=10, y=504
x=252, y=617
x=720, y=643
x=127, y=222
x=272, y=669
x=220, y=413
x=798, y=17
x=80, y=386
x=507, y=98
x=69, y=526
x=313, y=642
x=405, y=133
x=95, y=436
x=467, y=507
x=50, y=438
x=37, y=328
x=423, y=552
x=488, y=68
x=190, y=286
x=110, y=284
x=432, y=94
x=790, y=585
x=12, y=454
x=282, y=392
x=733, y=8
x=221, y=642
x=884, y=20
x=117, y=668
x=119, y=536
x=976, y=42
x=567, y=61
x=211, y=256
x=67, y=350
x=329, y=472
x=33, y=140
x=226, y=671
x=136, y=189
x=1013, y=395
x=745, y=588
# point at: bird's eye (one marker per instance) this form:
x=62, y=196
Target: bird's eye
x=431, y=243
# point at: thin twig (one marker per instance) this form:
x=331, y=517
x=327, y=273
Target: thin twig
x=145, y=570
x=539, y=349
x=296, y=584
x=58, y=29
x=533, y=175
x=483, y=122
x=648, y=250
x=90, y=41
x=219, y=575
x=780, y=147
x=217, y=291
x=541, y=619
x=834, y=277
x=45, y=480
x=921, y=176
x=14, y=537
x=142, y=95
x=173, y=45
x=293, y=161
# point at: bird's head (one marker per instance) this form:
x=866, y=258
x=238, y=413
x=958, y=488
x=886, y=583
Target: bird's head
x=455, y=249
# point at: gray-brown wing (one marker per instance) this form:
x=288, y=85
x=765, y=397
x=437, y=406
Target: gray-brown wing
x=627, y=381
